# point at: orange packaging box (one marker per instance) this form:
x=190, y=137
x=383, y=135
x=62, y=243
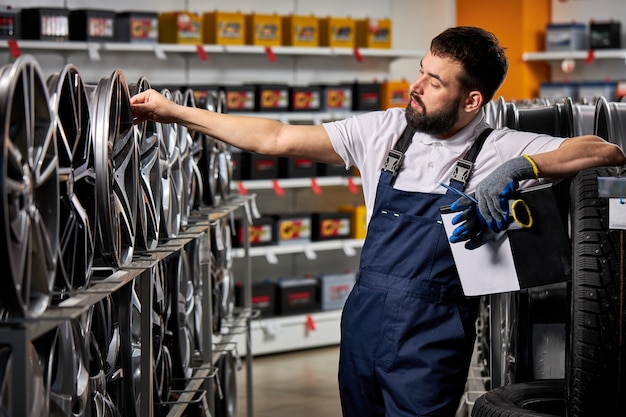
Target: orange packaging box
x=395, y=94
x=224, y=28
x=264, y=29
x=301, y=31
x=337, y=32
x=373, y=33
x=358, y=215
x=180, y=27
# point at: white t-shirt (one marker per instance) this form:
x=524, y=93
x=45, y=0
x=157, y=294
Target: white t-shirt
x=363, y=141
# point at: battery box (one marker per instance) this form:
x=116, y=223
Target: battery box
x=264, y=29
x=92, y=25
x=262, y=232
x=605, y=35
x=296, y=168
x=336, y=97
x=394, y=94
x=373, y=33
x=566, y=37
x=297, y=296
x=224, y=28
x=262, y=167
x=300, y=31
x=328, y=226
x=181, y=27
x=366, y=96
x=332, y=170
x=358, y=220
x=263, y=297
x=10, y=24
x=240, y=98
x=272, y=97
x=337, y=32
x=293, y=228
x=45, y=24
x=334, y=289
x=308, y=98
x=137, y=27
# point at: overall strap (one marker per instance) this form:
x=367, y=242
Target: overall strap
x=464, y=166
x=395, y=157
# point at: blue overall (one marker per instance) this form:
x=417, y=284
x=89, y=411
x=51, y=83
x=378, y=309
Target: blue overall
x=407, y=331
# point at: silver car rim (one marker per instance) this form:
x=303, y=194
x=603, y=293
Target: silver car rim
x=150, y=193
x=116, y=169
x=30, y=188
x=77, y=180
x=171, y=177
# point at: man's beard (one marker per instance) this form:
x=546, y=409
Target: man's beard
x=437, y=123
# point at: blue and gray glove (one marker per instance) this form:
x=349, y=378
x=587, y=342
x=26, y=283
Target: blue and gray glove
x=480, y=223
x=493, y=192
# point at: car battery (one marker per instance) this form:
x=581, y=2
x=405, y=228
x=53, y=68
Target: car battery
x=334, y=289
x=262, y=232
x=589, y=90
x=240, y=163
x=296, y=296
x=332, y=170
x=296, y=168
x=329, y=226
x=394, y=94
x=558, y=90
x=373, y=33
x=366, y=96
x=293, y=228
x=137, y=27
x=358, y=219
x=337, y=32
x=181, y=27
x=272, y=97
x=264, y=29
x=10, y=24
x=566, y=37
x=263, y=297
x=336, y=97
x=300, y=31
x=224, y=28
x=305, y=98
x=45, y=24
x=240, y=98
x=605, y=35
x=262, y=167
x=92, y=25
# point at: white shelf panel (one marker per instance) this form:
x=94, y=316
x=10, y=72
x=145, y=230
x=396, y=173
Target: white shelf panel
x=576, y=55
x=216, y=49
x=296, y=183
x=349, y=246
x=288, y=333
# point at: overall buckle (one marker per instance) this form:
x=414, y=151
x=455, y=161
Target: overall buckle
x=462, y=171
x=393, y=162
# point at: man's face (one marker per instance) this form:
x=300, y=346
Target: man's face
x=435, y=102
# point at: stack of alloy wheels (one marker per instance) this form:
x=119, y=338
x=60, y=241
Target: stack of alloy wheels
x=85, y=193
x=559, y=350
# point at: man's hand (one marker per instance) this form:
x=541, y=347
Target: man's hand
x=493, y=192
x=151, y=105
x=472, y=227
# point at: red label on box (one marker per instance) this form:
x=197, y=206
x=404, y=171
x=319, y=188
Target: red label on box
x=304, y=100
x=294, y=229
x=240, y=100
x=334, y=227
x=274, y=99
x=338, y=98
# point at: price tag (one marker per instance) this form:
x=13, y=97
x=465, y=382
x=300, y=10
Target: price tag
x=270, y=54
x=315, y=186
x=202, y=55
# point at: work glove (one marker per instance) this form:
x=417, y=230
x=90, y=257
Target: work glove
x=493, y=192
x=472, y=226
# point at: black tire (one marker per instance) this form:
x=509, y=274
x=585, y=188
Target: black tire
x=596, y=355
x=542, y=398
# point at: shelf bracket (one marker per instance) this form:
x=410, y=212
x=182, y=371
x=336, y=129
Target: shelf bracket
x=159, y=53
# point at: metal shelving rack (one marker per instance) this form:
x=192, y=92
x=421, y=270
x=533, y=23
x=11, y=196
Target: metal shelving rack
x=19, y=332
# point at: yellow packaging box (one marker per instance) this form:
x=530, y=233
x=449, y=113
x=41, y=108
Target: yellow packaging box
x=373, y=33
x=264, y=29
x=394, y=94
x=224, y=28
x=301, y=31
x=180, y=27
x=358, y=215
x=337, y=32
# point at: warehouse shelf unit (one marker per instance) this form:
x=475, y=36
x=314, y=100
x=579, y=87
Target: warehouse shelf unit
x=19, y=332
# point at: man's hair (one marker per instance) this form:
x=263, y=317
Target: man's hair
x=479, y=53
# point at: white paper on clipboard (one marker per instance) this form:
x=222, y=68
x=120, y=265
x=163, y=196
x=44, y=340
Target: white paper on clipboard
x=489, y=269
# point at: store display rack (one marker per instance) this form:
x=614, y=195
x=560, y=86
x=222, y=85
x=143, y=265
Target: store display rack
x=18, y=332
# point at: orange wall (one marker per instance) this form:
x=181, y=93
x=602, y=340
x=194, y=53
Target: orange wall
x=520, y=26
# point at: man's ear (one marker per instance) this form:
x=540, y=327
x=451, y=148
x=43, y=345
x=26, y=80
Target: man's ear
x=473, y=100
